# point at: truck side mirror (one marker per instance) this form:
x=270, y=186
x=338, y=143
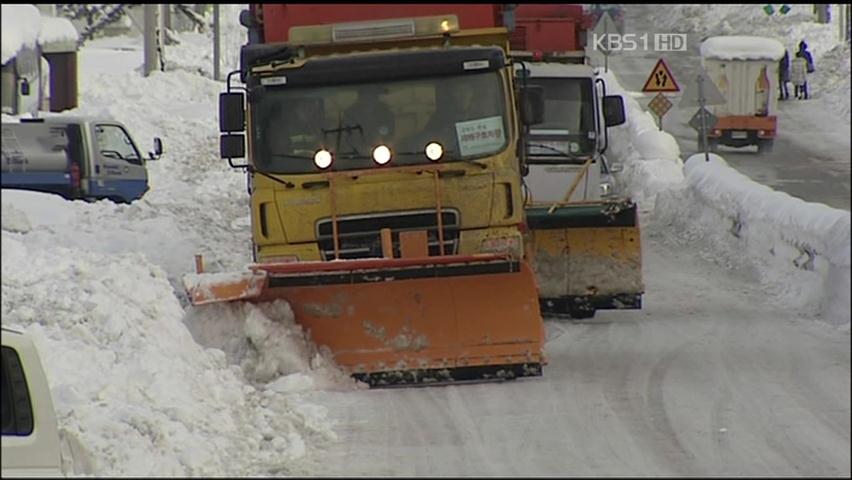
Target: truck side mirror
x=232, y=146
x=532, y=105
x=613, y=108
x=232, y=112
x=158, y=149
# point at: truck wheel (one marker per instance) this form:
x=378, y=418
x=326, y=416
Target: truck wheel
x=765, y=146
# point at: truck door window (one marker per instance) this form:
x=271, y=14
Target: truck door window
x=17, y=411
x=570, y=111
x=114, y=142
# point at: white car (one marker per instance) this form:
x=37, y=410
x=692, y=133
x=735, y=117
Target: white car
x=30, y=436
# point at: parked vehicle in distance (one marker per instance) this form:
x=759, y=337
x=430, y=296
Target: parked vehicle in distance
x=30, y=436
x=745, y=70
x=77, y=158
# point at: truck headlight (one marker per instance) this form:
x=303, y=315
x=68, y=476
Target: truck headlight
x=322, y=159
x=434, y=151
x=381, y=155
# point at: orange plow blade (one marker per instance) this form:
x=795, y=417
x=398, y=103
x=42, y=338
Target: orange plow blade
x=410, y=320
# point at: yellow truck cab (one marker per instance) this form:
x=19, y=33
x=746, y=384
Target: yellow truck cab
x=30, y=437
x=385, y=115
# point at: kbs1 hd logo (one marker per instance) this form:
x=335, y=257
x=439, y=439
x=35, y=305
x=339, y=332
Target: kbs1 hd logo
x=631, y=42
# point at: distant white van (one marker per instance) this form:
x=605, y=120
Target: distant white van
x=30, y=436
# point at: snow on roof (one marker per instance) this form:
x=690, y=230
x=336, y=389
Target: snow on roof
x=58, y=33
x=21, y=25
x=742, y=47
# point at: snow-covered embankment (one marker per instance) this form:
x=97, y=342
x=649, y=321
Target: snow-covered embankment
x=798, y=251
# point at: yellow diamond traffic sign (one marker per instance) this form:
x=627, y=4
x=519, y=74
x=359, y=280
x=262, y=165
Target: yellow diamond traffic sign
x=660, y=105
x=661, y=79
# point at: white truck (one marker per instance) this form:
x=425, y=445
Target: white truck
x=584, y=229
x=745, y=70
x=30, y=436
x=574, y=131
x=77, y=158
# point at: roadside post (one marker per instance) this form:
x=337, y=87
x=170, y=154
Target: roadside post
x=601, y=36
x=705, y=93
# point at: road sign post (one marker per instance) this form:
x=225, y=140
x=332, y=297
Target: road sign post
x=703, y=121
x=661, y=80
x=705, y=94
x=604, y=27
x=660, y=105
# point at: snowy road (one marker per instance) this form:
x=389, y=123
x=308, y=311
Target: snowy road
x=707, y=380
x=811, y=159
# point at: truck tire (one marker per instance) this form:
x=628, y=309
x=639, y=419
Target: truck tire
x=765, y=146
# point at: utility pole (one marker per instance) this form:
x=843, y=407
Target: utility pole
x=161, y=37
x=151, y=61
x=167, y=15
x=701, y=102
x=216, y=42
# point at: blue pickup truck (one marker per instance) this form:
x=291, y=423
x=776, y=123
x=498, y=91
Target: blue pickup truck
x=77, y=158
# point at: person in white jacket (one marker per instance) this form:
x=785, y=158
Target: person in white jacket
x=799, y=76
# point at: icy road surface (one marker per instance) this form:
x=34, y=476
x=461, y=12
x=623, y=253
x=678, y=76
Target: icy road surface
x=707, y=380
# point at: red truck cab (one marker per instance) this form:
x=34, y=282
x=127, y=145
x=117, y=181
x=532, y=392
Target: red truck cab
x=273, y=21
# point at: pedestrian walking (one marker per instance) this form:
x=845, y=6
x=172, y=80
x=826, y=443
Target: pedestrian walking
x=784, y=76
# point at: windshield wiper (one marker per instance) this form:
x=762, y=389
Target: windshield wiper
x=553, y=149
x=344, y=128
x=287, y=184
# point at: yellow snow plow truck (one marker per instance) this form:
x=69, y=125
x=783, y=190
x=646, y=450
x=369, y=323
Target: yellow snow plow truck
x=386, y=201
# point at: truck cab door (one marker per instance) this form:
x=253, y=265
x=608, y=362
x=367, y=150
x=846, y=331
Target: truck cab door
x=119, y=168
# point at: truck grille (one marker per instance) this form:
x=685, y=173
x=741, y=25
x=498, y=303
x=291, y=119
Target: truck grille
x=360, y=235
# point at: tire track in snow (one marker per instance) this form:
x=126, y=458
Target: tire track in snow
x=673, y=450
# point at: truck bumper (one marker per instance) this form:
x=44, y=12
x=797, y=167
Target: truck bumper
x=743, y=130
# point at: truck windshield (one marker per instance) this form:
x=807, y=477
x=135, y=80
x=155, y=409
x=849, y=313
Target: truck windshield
x=569, y=119
x=466, y=114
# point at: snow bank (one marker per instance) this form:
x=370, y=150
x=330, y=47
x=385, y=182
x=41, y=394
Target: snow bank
x=137, y=393
x=799, y=251
x=133, y=391
x=21, y=25
x=741, y=47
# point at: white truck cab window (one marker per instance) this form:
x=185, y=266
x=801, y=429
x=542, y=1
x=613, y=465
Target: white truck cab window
x=16, y=406
x=114, y=142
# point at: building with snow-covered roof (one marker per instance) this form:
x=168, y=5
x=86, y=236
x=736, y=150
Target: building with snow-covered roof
x=39, y=56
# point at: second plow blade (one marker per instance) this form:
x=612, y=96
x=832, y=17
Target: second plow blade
x=433, y=319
